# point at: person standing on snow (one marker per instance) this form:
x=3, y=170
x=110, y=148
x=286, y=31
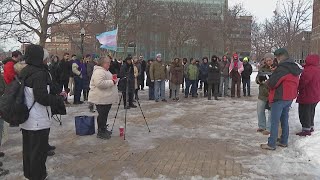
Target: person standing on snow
x=158, y=74
x=235, y=71
x=192, y=76
x=246, y=77
x=224, y=79
x=176, y=71
x=77, y=70
x=283, y=87
x=264, y=123
x=40, y=98
x=213, y=78
x=309, y=94
x=204, y=74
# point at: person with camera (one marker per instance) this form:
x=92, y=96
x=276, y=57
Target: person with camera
x=283, y=88
x=265, y=71
x=103, y=93
x=127, y=83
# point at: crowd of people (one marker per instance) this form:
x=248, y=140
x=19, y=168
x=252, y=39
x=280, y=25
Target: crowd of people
x=98, y=80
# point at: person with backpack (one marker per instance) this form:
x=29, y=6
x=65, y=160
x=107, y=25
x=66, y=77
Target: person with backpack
x=2, y=89
x=40, y=98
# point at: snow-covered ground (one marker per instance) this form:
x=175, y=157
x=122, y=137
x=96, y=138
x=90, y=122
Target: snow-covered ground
x=230, y=120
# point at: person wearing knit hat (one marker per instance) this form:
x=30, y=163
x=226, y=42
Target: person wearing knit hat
x=158, y=74
x=264, y=124
x=246, y=76
x=236, y=68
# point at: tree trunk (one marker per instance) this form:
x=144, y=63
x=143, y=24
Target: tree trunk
x=43, y=38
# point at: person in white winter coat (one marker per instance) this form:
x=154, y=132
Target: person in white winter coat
x=103, y=93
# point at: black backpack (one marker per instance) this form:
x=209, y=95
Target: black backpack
x=13, y=110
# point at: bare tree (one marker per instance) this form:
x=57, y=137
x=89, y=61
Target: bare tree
x=38, y=16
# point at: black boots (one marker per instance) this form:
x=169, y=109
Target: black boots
x=103, y=133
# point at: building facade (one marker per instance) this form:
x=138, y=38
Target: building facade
x=315, y=39
x=66, y=38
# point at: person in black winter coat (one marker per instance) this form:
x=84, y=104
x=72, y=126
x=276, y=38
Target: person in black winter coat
x=35, y=131
x=213, y=78
x=149, y=82
x=56, y=71
x=65, y=74
x=246, y=76
x=127, y=79
x=142, y=73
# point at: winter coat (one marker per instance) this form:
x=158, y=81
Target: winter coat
x=263, y=88
x=8, y=69
x=214, y=73
x=158, y=71
x=235, y=72
x=102, y=88
x=126, y=76
x=309, y=86
x=284, y=81
x=90, y=67
x=224, y=68
x=56, y=71
x=143, y=67
x=77, y=68
x=85, y=77
x=204, y=71
x=38, y=90
x=149, y=83
x=176, y=71
x=247, y=71
x=65, y=70
x=192, y=72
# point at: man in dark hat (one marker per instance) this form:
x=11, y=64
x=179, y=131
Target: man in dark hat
x=283, y=88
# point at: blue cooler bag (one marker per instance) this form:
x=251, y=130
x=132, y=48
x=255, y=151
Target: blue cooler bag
x=84, y=125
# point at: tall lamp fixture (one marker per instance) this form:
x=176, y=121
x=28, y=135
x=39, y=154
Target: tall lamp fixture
x=82, y=34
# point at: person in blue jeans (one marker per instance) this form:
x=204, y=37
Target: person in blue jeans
x=264, y=124
x=246, y=77
x=158, y=75
x=283, y=88
x=192, y=76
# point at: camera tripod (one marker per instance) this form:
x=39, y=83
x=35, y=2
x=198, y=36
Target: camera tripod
x=126, y=112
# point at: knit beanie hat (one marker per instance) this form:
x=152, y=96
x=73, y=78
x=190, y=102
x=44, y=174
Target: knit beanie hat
x=268, y=55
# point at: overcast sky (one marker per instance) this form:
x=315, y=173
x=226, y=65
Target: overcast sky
x=261, y=9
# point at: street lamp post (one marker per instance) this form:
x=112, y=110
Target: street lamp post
x=302, y=53
x=82, y=34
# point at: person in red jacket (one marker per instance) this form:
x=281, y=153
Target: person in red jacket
x=9, y=72
x=309, y=94
x=283, y=89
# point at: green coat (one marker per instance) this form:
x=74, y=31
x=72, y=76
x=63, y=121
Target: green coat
x=158, y=71
x=263, y=88
x=192, y=72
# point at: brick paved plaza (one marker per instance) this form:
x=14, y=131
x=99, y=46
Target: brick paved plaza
x=192, y=139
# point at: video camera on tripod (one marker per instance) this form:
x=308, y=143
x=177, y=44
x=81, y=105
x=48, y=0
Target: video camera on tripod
x=123, y=87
